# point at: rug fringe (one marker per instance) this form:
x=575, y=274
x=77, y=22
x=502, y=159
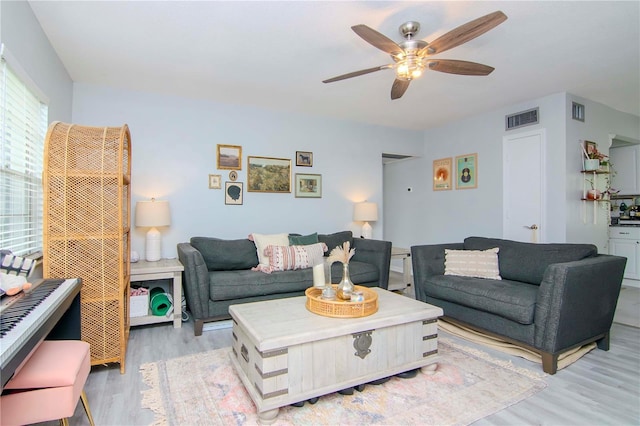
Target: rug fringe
x=486, y=357
x=151, y=398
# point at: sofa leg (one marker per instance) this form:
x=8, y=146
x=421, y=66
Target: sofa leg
x=603, y=343
x=197, y=327
x=549, y=362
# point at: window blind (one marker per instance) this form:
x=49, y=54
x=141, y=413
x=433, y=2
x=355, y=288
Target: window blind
x=23, y=121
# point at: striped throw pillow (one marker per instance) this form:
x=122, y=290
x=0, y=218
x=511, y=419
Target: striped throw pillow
x=472, y=263
x=286, y=258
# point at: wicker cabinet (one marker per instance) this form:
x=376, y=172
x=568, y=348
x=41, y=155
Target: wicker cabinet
x=87, y=201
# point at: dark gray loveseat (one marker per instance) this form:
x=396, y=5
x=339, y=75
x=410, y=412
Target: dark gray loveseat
x=552, y=297
x=217, y=273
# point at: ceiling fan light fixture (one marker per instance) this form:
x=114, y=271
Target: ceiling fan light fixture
x=409, y=69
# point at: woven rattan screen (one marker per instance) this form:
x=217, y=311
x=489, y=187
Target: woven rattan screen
x=87, y=202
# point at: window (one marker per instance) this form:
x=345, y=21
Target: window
x=23, y=126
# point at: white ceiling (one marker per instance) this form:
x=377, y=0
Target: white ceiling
x=275, y=54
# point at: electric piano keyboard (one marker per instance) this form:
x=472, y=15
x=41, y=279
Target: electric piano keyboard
x=27, y=318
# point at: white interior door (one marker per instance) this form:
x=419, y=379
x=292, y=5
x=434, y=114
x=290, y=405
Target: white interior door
x=524, y=186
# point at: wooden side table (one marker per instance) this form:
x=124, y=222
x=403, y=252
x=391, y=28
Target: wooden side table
x=405, y=255
x=162, y=269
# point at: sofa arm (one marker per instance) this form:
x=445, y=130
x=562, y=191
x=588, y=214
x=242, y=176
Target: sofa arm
x=196, y=280
x=428, y=260
x=577, y=301
x=375, y=252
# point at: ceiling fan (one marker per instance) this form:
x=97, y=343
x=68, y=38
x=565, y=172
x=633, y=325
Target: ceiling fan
x=411, y=57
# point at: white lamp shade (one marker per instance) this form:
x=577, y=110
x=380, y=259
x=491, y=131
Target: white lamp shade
x=153, y=213
x=365, y=212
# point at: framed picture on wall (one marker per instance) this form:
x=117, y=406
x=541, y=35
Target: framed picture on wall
x=308, y=186
x=265, y=174
x=467, y=171
x=304, y=158
x=233, y=193
x=442, y=174
x=215, y=181
x=229, y=157
x=590, y=147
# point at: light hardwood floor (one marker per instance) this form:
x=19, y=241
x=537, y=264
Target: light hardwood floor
x=602, y=388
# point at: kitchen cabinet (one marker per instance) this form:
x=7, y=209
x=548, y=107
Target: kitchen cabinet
x=625, y=161
x=625, y=242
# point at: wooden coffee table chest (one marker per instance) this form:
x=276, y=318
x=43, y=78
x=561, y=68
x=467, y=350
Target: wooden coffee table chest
x=285, y=354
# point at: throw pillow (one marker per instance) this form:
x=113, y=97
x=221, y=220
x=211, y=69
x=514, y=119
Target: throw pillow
x=336, y=239
x=262, y=241
x=287, y=258
x=303, y=240
x=226, y=255
x=472, y=263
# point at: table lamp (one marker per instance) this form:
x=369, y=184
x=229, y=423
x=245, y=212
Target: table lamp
x=365, y=212
x=152, y=214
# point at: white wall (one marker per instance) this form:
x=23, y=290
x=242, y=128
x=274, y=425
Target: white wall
x=22, y=35
x=425, y=216
x=174, y=150
x=450, y=216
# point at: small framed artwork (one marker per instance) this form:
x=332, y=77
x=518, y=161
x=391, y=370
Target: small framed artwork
x=233, y=193
x=267, y=174
x=590, y=147
x=229, y=157
x=467, y=171
x=304, y=158
x=308, y=186
x=442, y=174
x=233, y=176
x=215, y=181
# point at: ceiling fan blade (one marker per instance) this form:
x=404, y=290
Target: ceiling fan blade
x=398, y=88
x=452, y=66
x=378, y=40
x=464, y=33
x=356, y=73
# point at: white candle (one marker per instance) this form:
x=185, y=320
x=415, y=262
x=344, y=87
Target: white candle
x=318, y=275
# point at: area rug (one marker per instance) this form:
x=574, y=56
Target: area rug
x=564, y=359
x=203, y=389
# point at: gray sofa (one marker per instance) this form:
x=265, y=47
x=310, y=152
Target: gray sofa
x=217, y=273
x=552, y=297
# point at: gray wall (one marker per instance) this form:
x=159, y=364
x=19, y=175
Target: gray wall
x=174, y=150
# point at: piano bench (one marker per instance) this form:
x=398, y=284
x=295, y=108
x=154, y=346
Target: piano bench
x=48, y=385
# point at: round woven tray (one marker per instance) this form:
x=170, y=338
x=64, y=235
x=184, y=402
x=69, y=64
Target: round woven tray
x=342, y=308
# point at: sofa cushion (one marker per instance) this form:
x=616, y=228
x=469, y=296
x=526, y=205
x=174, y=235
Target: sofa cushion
x=303, y=240
x=229, y=285
x=527, y=262
x=264, y=240
x=509, y=299
x=223, y=255
x=335, y=239
x=472, y=263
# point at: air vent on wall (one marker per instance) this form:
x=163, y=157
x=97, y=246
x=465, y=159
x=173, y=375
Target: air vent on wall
x=520, y=119
x=577, y=111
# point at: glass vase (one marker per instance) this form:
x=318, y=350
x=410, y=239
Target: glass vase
x=345, y=286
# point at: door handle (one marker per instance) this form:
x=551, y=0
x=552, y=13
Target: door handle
x=532, y=227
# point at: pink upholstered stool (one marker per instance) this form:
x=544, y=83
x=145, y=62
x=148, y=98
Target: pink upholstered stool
x=48, y=385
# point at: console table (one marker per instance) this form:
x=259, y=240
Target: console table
x=162, y=269
x=405, y=255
